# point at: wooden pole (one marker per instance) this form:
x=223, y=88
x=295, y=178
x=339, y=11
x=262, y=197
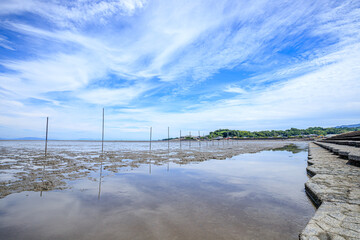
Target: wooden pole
x=190, y=139
x=150, y=136
x=167, y=169
x=103, y=126
x=199, y=139
x=46, y=138
x=180, y=139
x=150, y=149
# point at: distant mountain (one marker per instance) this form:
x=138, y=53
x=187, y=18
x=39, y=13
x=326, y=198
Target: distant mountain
x=24, y=138
x=29, y=138
x=349, y=126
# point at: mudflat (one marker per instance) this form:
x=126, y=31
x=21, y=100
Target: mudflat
x=213, y=190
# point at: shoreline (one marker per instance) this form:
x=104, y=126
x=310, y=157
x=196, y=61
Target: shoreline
x=63, y=163
x=171, y=140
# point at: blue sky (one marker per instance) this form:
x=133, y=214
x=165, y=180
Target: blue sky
x=190, y=65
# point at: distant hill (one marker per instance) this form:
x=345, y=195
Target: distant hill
x=29, y=138
x=288, y=133
x=349, y=126
x=24, y=138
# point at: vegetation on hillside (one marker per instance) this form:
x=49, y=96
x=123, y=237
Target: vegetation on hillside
x=292, y=132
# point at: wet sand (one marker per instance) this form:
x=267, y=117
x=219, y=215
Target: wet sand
x=130, y=193
x=27, y=169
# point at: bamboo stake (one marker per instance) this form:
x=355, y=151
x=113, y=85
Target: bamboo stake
x=190, y=139
x=150, y=136
x=102, y=139
x=167, y=169
x=46, y=138
x=199, y=139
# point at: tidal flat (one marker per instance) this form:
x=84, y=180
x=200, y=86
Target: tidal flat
x=203, y=190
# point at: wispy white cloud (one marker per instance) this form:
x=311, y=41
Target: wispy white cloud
x=58, y=73
x=174, y=40
x=114, y=96
x=113, y=53
x=70, y=13
x=4, y=43
x=234, y=89
x=329, y=94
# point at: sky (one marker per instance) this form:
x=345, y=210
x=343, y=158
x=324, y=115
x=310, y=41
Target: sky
x=188, y=65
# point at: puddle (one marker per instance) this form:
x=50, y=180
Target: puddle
x=257, y=195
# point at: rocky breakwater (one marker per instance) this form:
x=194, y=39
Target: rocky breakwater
x=334, y=187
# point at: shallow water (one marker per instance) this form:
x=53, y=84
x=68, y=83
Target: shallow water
x=249, y=196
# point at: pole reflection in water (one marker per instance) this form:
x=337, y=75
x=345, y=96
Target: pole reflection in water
x=168, y=161
x=43, y=176
x=100, y=177
x=149, y=161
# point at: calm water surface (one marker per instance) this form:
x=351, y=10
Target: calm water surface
x=249, y=196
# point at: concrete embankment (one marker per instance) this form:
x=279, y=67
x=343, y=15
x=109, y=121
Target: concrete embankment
x=334, y=187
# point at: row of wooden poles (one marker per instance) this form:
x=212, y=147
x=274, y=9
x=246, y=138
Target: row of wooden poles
x=102, y=146
x=103, y=132
x=168, y=139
